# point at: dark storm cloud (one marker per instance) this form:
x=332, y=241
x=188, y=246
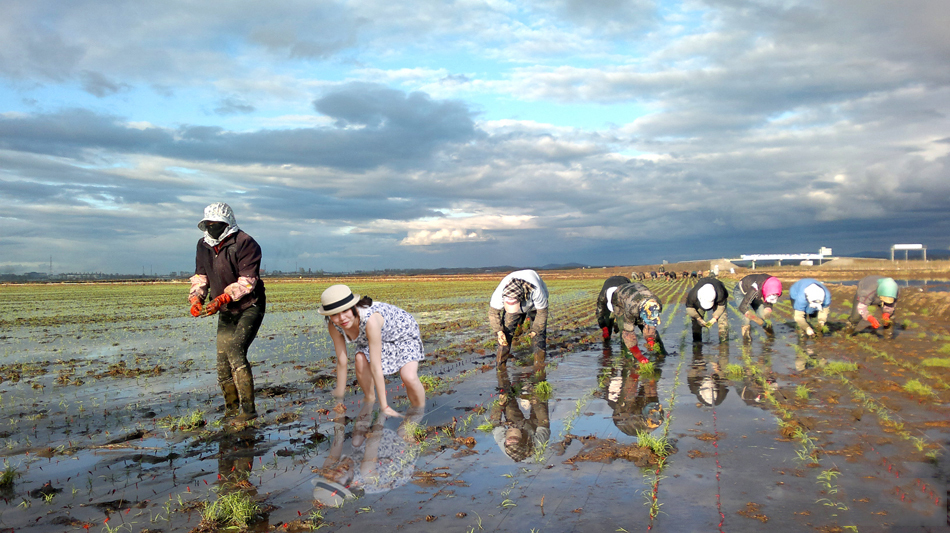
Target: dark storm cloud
x=295, y=204
x=374, y=126
x=98, y=85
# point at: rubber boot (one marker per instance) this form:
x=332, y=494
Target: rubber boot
x=502, y=355
x=231, y=402
x=747, y=333
x=539, y=356
x=769, y=328
x=245, y=387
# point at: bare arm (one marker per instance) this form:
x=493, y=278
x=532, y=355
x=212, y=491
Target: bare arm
x=374, y=335
x=339, y=347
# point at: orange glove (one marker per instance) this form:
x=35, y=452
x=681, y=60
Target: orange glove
x=874, y=323
x=196, y=306
x=886, y=319
x=217, y=304
x=606, y=333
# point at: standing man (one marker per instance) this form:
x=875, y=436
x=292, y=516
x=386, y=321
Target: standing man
x=604, y=308
x=754, y=295
x=519, y=296
x=708, y=295
x=227, y=268
x=810, y=298
x=873, y=290
x=636, y=305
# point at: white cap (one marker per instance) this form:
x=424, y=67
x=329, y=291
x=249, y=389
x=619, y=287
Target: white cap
x=815, y=295
x=706, y=296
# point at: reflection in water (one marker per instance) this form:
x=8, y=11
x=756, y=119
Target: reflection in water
x=520, y=418
x=235, y=460
x=758, y=378
x=633, y=397
x=705, y=376
x=378, y=459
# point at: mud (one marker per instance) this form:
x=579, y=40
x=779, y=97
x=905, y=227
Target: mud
x=770, y=434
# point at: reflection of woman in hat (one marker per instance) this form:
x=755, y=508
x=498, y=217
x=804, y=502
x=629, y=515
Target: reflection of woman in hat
x=227, y=268
x=387, y=341
x=384, y=462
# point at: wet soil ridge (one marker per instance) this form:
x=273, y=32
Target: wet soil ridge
x=113, y=420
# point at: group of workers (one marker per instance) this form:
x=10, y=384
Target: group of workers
x=387, y=339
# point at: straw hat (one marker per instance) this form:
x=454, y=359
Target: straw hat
x=336, y=299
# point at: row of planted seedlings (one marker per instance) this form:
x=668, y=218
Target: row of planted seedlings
x=810, y=450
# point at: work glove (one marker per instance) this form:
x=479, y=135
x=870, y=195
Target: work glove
x=532, y=334
x=755, y=318
x=639, y=355
x=215, y=305
x=501, y=339
x=651, y=343
x=873, y=321
x=606, y=333
x=810, y=332
x=702, y=323
x=886, y=319
x=196, y=306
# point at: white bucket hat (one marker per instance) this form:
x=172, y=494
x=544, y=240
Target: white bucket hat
x=217, y=212
x=330, y=493
x=336, y=299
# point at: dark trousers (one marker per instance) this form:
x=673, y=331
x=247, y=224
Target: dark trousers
x=510, y=323
x=236, y=332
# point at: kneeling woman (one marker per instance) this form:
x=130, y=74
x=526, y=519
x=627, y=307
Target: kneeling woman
x=387, y=340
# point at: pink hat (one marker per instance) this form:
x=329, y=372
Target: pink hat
x=772, y=286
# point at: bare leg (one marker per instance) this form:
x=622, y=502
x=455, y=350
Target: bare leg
x=414, y=388
x=364, y=376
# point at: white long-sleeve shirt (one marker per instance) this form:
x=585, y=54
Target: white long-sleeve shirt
x=539, y=297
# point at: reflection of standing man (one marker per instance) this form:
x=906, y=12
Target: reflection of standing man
x=873, y=291
x=605, y=308
x=519, y=296
x=227, y=268
x=708, y=295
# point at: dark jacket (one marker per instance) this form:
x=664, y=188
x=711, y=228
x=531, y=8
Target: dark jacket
x=238, y=256
x=751, y=287
x=722, y=295
x=602, y=312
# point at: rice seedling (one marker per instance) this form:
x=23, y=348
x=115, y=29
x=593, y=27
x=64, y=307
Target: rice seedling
x=231, y=510
x=658, y=445
x=937, y=362
x=944, y=349
x=839, y=367
x=802, y=392
x=734, y=371
x=8, y=476
x=543, y=391
x=188, y=422
x=914, y=386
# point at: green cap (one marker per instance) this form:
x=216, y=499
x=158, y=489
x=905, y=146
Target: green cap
x=887, y=287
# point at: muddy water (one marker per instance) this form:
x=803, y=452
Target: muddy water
x=866, y=454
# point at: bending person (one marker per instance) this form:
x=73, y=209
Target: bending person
x=387, y=341
x=810, y=298
x=873, y=290
x=519, y=296
x=635, y=305
x=605, y=309
x=708, y=295
x=754, y=295
x=227, y=268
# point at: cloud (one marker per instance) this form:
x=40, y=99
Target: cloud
x=232, y=106
x=98, y=85
x=442, y=236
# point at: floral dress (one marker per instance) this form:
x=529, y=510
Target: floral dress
x=401, y=340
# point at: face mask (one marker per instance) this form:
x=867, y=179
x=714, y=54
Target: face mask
x=771, y=298
x=215, y=229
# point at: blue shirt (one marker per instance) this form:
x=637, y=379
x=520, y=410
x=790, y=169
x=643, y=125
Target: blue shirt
x=797, y=295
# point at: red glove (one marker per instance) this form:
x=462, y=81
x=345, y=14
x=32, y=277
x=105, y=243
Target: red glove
x=606, y=333
x=874, y=323
x=217, y=304
x=195, y=306
x=886, y=319
x=639, y=355
x=651, y=342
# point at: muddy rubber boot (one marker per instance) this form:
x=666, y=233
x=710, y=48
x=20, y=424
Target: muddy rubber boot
x=747, y=334
x=539, y=357
x=769, y=328
x=860, y=327
x=501, y=356
x=245, y=387
x=231, y=403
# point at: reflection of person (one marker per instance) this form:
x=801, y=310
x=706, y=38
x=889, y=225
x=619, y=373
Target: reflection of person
x=754, y=295
x=227, y=268
x=636, y=306
x=878, y=291
x=810, y=298
x=387, y=341
x=519, y=296
x=708, y=295
x=634, y=400
x=235, y=459
x=383, y=462
x=709, y=385
x=516, y=434
x=604, y=307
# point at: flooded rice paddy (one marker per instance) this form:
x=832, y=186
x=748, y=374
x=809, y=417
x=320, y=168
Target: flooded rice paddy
x=110, y=420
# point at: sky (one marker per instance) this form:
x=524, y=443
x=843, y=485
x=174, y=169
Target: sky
x=372, y=134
